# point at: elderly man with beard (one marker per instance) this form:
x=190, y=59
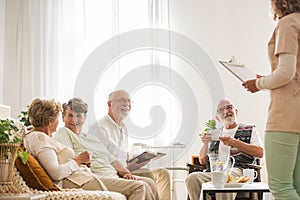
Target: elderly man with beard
x=239, y=140
x=112, y=132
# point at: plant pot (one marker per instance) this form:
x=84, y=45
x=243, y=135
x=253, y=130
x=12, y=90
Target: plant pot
x=8, y=153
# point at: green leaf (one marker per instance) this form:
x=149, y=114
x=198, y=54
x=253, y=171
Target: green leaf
x=6, y=128
x=24, y=117
x=23, y=156
x=210, y=125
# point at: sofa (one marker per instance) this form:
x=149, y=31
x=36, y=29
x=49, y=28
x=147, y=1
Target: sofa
x=30, y=178
x=65, y=194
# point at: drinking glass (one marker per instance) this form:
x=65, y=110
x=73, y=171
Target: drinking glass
x=214, y=144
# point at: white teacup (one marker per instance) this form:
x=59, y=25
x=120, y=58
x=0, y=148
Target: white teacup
x=218, y=179
x=251, y=173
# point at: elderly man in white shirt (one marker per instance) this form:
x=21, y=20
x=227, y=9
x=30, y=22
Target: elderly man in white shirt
x=112, y=132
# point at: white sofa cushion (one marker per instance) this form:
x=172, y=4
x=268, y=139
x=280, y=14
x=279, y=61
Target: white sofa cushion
x=66, y=194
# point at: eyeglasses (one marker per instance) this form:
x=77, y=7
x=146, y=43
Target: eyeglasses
x=122, y=100
x=228, y=107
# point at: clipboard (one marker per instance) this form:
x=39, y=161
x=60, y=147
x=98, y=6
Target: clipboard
x=242, y=72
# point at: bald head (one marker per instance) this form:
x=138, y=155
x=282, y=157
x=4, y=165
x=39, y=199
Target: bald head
x=119, y=105
x=223, y=102
x=117, y=94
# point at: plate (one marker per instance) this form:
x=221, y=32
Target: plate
x=233, y=185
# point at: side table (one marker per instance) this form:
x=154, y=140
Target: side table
x=22, y=197
x=260, y=187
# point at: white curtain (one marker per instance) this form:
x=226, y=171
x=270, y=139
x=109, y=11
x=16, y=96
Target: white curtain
x=2, y=28
x=45, y=43
x=30, y=59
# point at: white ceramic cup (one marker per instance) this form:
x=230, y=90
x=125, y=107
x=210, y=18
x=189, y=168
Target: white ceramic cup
x=218, y=179
x=251, y=173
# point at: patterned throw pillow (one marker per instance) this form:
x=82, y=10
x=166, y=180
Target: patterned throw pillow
x=34, y=175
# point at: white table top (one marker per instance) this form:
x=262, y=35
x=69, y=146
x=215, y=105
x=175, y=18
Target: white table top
x=22, y=196
x=238, y=187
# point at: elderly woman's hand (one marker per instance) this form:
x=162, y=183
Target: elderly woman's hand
x=83, y=158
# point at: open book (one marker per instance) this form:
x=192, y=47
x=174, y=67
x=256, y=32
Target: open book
x=147, y=155
x=239, y=70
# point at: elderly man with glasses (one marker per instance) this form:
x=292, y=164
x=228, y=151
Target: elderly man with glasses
x=241, y=141
x=113, y=134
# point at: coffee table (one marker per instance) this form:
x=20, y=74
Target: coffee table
x=209, y=189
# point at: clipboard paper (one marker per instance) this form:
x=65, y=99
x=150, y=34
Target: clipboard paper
x=240, y=71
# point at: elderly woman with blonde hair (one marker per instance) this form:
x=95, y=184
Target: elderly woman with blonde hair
x=59, y=161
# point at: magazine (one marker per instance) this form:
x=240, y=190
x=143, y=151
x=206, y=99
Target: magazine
x=147, y=155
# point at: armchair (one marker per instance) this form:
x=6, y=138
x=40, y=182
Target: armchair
x=195, y=166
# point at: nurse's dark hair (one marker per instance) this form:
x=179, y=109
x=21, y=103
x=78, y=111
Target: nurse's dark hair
x=282, y=8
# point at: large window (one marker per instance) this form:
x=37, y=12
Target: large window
x=89, y=48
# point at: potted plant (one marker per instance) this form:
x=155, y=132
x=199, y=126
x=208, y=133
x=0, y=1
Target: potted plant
x=24, y=119
x=11, y=136
x=210, y=125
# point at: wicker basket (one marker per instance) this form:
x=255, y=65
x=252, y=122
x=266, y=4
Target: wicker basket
x=8, y=153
